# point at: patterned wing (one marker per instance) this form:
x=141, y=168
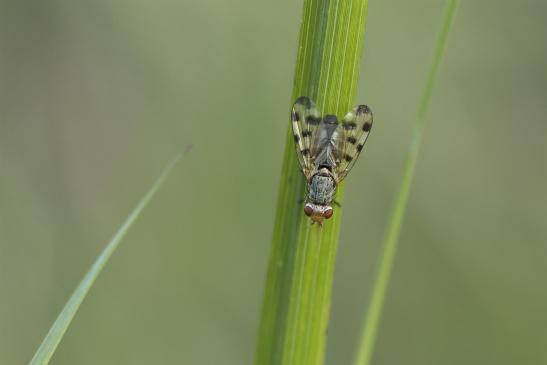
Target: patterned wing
x=305, y=124
x=352, y=135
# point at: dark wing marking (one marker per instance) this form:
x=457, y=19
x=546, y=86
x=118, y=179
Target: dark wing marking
x=351, y=138
x=305, y=123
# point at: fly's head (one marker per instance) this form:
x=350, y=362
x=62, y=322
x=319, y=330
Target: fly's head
x=318, y=212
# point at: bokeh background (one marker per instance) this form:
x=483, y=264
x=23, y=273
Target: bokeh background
x=96, y=97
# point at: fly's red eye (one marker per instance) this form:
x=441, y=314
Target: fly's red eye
x=328, y=213
x=308, y=209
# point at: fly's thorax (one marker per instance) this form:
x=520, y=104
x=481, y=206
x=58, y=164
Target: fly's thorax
x=322, y=187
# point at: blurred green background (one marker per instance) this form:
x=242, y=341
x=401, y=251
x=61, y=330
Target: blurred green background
x=96, y=97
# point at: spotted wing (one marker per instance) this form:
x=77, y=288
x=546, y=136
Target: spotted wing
x=305, y=124
x=352, y=135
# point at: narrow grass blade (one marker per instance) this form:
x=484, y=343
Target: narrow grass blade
x=59, y=327
x=372, y=319
x=297, y=296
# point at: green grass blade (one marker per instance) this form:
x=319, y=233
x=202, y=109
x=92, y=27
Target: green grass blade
x=59, y=327
x=372, y=319
x=297, y=296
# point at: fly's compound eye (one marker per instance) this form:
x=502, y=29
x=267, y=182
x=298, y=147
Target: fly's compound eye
x=308, y=209
x=328, y=213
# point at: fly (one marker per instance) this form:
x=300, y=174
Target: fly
x=327, y=150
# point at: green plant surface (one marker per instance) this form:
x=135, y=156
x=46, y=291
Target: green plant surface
x=373, y=315
x=297, y=297
x=56, y=332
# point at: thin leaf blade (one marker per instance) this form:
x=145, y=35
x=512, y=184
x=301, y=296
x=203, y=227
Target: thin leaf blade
x=389, y=248
x=58, y=329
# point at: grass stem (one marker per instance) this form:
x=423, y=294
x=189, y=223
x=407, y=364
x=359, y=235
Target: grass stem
x=297, y=297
